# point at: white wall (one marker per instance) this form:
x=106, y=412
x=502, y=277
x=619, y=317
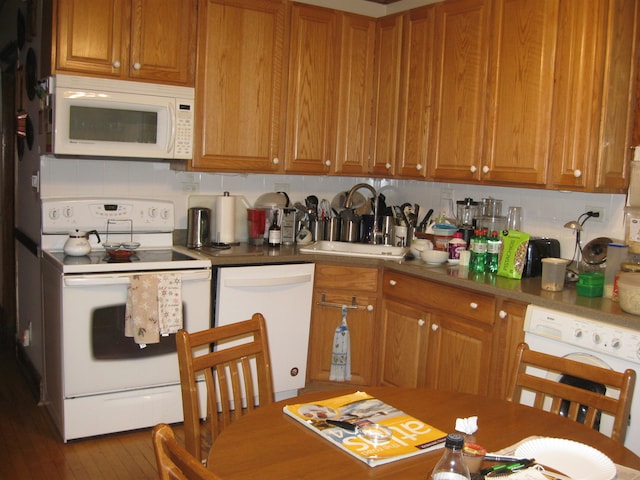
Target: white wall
x=545, y=212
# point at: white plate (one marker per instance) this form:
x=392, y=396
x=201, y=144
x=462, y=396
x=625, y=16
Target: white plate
x=578, y=461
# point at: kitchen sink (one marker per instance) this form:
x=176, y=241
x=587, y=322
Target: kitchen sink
x=383, y=252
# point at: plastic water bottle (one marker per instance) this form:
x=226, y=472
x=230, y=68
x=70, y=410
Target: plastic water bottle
x=494, y=245
x=480, y=248
x=451, y=466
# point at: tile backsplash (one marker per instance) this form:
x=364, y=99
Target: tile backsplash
x=545, y=212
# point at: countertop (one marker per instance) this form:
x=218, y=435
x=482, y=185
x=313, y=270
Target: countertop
x=526, y=290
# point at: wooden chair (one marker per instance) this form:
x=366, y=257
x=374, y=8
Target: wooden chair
x=227, y=374
x=549, y=388
x=174, y=462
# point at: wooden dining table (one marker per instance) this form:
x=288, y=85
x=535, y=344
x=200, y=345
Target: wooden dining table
x=268, y=444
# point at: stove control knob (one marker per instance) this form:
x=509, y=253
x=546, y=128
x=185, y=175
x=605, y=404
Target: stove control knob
x=615, y=343
x=596, y=338
x=577, y=333
x=68, y=212
x=54, y=214
x=164, y=213
x=153, y=212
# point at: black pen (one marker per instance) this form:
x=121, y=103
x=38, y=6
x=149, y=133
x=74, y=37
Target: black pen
x=510, y=467
x=350, y=427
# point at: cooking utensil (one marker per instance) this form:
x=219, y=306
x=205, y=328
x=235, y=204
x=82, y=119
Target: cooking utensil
x=399, y=216
x=425, y=220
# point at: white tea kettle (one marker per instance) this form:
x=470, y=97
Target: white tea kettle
x=77, y=244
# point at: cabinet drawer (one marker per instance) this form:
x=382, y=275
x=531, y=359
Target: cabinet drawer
x=433, y=295
x=350, y=277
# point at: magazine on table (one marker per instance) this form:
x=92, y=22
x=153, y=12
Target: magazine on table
x=367, y=428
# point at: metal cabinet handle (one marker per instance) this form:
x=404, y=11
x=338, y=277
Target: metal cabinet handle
x=473, y=305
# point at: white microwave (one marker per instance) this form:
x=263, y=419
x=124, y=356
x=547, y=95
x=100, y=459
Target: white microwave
x=95, y=117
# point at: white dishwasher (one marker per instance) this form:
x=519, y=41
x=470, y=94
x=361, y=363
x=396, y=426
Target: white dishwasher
x=283, y=294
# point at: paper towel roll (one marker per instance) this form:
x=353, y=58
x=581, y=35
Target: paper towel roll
x=225, y=219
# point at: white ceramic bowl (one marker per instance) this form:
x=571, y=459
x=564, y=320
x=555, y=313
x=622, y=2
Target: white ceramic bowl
x=434, y=257
x=418, y=245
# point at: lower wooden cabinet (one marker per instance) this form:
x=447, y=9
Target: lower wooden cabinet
x=454, y=329
x=404, y=334
x=425, y=333
x=355, y=287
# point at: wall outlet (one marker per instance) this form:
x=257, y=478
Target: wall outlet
x=600, y=210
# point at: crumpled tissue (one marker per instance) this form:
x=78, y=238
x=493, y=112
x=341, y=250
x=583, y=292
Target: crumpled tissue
x=467, y=425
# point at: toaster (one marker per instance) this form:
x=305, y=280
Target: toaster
x=539, y=248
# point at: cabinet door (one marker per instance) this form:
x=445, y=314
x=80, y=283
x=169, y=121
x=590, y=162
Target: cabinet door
x=520, y=87
x=462, y=56
x=414, y=124
x=508, y=333
x=163, y=41
x=313, y=68
x=325, y=318
x=620, y=71
x=458, y=355
x=388, y=55
x=240, y=85
x=403, y=345
x=91, y=37
x=354, y=97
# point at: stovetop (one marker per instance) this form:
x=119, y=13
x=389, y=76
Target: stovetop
x=142, y=260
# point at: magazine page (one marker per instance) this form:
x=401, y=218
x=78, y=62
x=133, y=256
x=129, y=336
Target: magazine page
x=367, y=428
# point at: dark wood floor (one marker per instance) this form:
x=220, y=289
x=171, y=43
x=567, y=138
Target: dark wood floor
x=31, y=448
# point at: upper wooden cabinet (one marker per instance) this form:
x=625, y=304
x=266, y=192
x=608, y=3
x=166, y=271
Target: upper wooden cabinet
x=594, y=96
x=521, y=79
x=386, y=95
x=460, y=72
x=329, y=95
x=354, y=95
x=494, y=75
x=416, y=90
x=148, y=40
x=241, y=86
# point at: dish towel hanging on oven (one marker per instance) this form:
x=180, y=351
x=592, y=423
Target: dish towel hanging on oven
x=341, y=354
x=153, y=308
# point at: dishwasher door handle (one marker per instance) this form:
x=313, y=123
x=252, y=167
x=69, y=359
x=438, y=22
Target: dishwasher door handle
x=268, y=281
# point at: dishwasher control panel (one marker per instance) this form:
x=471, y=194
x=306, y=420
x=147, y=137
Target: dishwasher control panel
x=613, y=340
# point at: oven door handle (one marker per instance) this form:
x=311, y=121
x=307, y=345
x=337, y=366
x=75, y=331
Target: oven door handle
x=92, y=280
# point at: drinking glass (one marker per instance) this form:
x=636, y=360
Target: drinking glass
x=514, y=218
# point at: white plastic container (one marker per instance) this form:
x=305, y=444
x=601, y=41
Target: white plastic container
x=629, y=292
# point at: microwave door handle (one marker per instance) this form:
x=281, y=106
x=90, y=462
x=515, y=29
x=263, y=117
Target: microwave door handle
x=172, y=128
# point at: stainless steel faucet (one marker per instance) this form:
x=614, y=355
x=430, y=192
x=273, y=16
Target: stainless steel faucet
x=347, y=204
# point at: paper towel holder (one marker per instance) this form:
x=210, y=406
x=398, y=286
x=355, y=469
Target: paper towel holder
x=224, y=220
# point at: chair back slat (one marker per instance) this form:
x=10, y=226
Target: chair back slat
x=583, y=405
